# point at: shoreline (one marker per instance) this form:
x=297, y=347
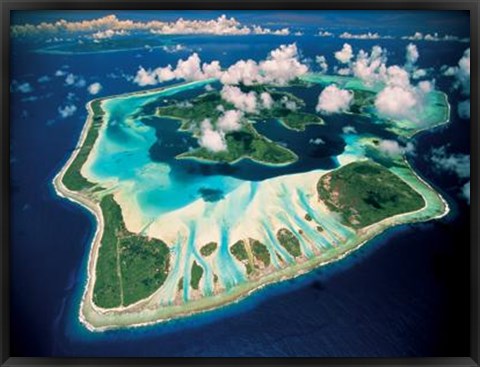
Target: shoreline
x=90, y=312
x=290, y=272
x=62, y=191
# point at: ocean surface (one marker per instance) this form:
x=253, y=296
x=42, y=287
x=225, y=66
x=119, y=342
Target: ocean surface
x=403, y=294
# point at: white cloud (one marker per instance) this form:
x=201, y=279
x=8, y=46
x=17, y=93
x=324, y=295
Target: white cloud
x=71, y=96
x=267, y=100
x=110, y=25
x=409, y=148
x=397, y=76
x=363, y=36
x=458, y=164
x=317, y=141
x=448, y=70
x=33, y=98
x=345, y=54
x=67, y=111
x=435, y=37
x=416, y=37
x=419, y=73
x=44, y=79
x=289, y=104
x=23, y=87
x=94, y=88
x=184, y=104
x=392, y=148
x=190, y=69
x=454, y=163
x=400, y=99
x=30, y=99
x=411, y=54
x=59, y=39
x=230, y=121
x=343, y=71
x=165, y=74
x=322, y=63
x=211, y=139
x=80, y=83
x=334, y=100
x=174, y=48
x=243, y=101
x=461, y=72
x=463, y=109
x=108, y=33
x=280, y=67
x=284, y=32
x=220, y=26
x=395, y=102
x=70, y=79
x=145, y=77
x=256, y=29
x=371, y=67
x=75, y=80
x=60, y=73
x=426, y=86
x=349, y=130
x=243, y=71
x=466, y=192
x=325, y=34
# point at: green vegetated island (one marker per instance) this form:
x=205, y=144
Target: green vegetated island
x=106, y=45
x=247, y=142
x=313, y=219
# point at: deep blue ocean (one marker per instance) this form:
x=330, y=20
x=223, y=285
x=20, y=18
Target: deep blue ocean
x=403, y=294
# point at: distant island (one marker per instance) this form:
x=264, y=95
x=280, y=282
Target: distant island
x=146, y=268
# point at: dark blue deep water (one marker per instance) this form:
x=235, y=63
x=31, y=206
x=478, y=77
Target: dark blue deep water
x=403, y=294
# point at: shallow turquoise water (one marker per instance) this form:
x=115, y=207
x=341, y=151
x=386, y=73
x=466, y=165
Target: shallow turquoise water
x=123, y=156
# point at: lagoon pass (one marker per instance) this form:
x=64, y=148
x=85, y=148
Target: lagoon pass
x=183, y=229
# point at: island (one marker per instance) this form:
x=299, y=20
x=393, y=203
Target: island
x=167, y=246
x=245, y=143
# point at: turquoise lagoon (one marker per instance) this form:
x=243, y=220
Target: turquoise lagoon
x=164, y=197
x=122, y=156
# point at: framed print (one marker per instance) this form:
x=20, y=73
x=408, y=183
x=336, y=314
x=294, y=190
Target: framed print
x=220, y=183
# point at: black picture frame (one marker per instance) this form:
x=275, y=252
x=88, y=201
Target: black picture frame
x=6, y=359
